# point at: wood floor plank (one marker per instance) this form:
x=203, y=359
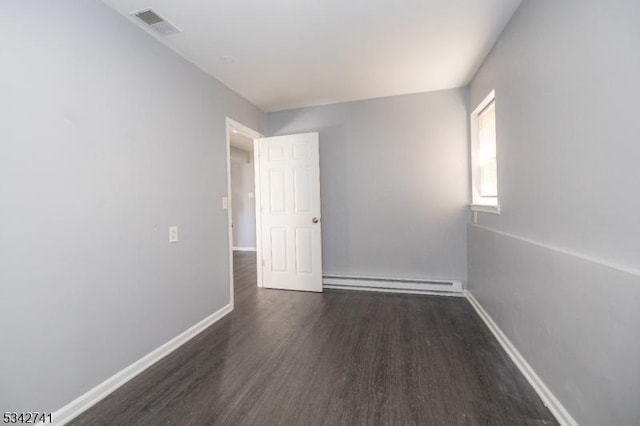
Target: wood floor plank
x=336, y=358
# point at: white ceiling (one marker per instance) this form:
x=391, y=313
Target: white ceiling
x=293, y=53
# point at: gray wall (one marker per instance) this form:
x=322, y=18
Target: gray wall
x=559, y=267
x=107, y=138
x=394, y=183
x=243, y=207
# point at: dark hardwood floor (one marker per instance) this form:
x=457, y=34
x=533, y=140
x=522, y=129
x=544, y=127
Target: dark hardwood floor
x=337, y=358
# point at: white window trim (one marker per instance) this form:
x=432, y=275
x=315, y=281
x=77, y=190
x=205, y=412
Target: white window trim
x=485, y=208
x=479, y=203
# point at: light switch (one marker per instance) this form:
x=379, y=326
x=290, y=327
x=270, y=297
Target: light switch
x=173, y=234
x=251, y=196
x=225, y=203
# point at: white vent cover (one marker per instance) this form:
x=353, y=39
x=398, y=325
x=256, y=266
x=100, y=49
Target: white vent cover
x=156, y=22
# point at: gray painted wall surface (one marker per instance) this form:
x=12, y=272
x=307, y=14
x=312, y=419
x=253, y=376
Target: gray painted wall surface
x=107, y=138
x=567, y=80
x=394, y=183
x=575, y=321
x=243, y=207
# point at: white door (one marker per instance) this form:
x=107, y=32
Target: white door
x=290, y=212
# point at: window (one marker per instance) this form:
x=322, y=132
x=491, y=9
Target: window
x=484, y=167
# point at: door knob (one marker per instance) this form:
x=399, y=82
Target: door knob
x=315, y=220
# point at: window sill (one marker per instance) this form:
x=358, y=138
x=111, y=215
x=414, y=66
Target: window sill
x=485, y=208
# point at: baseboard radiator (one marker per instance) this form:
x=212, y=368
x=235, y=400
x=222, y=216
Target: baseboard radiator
x=394, y=285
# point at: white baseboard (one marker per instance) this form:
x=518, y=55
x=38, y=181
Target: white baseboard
x=394, y=285
x=95, y=395
x=243, y=248
x=548, y=398
x=101, y=391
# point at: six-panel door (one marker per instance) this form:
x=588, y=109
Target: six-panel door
x=290, y=216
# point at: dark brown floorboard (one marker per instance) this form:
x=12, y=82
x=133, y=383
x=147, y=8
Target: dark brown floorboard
x=337, y=358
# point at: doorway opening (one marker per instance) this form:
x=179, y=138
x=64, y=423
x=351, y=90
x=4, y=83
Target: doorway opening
x=273, y=203
x=241, y=197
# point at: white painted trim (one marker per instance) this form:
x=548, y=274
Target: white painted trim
x=548, y=398
x=240, y=128
x=491, y=96
x=601, y=262
x=258, y=200
x=394, y=285
x=485, y=208
x=477, y=199
x=229, y=210
x=98, y=393
x=244, y=249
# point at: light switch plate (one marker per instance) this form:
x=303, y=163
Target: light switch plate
x=251, y=196
x=225, y=203
x=173, y=234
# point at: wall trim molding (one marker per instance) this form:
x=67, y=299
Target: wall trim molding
x=394, y=285
x=548, y=398
x=101, y=391
x=602, y=262
x=244, y=248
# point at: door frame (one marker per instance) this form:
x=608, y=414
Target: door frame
x=230, y=126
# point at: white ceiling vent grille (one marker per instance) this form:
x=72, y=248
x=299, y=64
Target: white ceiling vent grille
x=156, y=22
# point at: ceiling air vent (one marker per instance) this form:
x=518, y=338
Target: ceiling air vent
x=156, y=22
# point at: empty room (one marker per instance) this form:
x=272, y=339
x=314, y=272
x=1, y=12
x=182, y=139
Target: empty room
x=320, y=212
